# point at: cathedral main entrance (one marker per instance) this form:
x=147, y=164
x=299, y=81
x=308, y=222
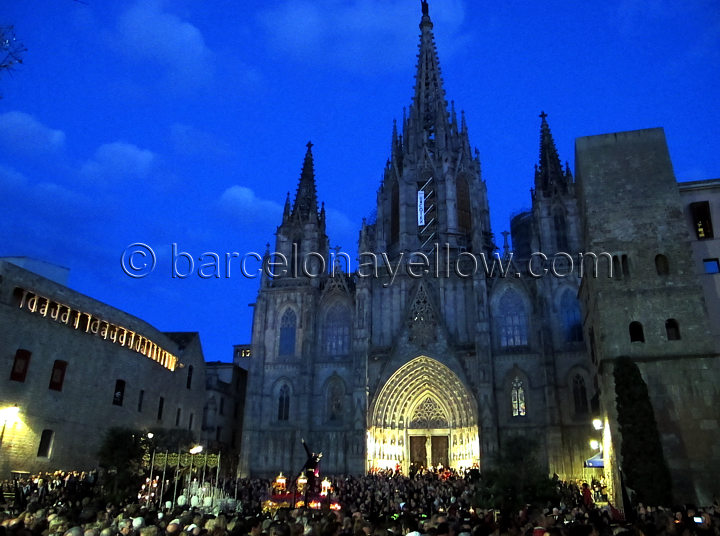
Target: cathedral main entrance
x=424, y=416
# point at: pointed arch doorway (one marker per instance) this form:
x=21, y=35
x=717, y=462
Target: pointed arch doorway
x=424, y=415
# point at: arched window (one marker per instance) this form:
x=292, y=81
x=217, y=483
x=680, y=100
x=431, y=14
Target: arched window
x=334, y=400
x=572, y=325
x=672, y=329
x=336, y=330
x=636, y=332
x=661, y=264
x=561, y=241
x=288, y=324
x=517, y=397
x=462, y=192
x=580, y=395
x=512, y=321
x=395, y=214
x=284, y=403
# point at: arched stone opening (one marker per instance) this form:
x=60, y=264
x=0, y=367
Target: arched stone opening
x=425, y=415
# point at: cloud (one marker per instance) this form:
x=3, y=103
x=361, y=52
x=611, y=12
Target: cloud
x=346, y=34
x=149, y=33
x=119, y=160
x=11, y=179
x=23, y=133
x=242, y=203
x=190, y=141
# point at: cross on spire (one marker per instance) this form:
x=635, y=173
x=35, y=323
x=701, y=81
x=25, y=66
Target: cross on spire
x=542, y=115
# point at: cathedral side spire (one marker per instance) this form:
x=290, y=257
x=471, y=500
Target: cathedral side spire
x=286, y=208
x=305, y=203
x=549, y=174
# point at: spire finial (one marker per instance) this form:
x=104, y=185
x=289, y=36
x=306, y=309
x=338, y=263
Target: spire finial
x=309, y=145
x=542, y=115
x=425, y=8
x=506, y=245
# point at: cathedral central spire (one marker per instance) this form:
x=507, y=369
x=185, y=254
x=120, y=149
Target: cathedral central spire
x=428, y=113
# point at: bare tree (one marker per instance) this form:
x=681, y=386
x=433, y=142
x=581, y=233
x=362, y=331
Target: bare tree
x=11, y=50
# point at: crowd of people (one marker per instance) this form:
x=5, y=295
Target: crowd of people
x=378, y=504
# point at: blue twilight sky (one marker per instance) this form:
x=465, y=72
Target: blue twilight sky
x=186, y=121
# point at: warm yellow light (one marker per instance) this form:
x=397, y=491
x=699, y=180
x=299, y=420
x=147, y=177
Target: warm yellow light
x=150, y=435
x=594, y=444
x=325, y=487
x=197, y=449
x=597, y=424
x=9, y=414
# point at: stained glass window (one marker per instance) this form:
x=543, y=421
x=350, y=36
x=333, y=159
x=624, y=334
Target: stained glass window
x=517, y=395
x=513, y=329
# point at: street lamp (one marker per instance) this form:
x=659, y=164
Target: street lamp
x=597, y=424
x=197, y=449
x=8, y=415
x=594, y=444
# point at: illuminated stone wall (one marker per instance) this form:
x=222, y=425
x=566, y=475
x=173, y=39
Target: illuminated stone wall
x=633, y=209
x=83, y=409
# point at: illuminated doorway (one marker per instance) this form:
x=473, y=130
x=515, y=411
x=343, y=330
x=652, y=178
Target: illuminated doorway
x=423, y=415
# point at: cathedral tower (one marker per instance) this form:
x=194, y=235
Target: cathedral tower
x=432, y=191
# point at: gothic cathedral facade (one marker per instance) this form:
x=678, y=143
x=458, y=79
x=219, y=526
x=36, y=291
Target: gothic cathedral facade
x=435, y=363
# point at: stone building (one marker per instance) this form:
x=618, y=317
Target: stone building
x=223, y=412
x=437, y=349
x=653, y=308
x=420, y=357
x=75, y=367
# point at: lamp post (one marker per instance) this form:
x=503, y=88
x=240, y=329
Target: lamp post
x=150, y=435
x=197, y=449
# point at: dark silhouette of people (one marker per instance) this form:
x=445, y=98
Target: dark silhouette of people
x=312, y=463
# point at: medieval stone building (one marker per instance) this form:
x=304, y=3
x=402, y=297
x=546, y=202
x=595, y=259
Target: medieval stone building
x=433, y=351
x=419, y=356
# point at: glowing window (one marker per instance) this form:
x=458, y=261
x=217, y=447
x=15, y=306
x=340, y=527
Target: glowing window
x=517, y=397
